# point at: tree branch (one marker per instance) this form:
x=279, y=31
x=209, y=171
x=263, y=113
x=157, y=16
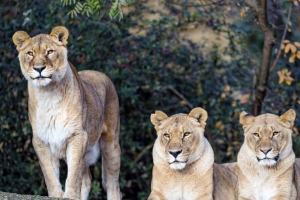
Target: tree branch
x=179, y=96
x=283, y=37
x=269, y=41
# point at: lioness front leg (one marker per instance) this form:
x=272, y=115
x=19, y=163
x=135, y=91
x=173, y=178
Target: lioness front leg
x=110, y=151
x=50, y=167
x=86, y=184
x=76, y=147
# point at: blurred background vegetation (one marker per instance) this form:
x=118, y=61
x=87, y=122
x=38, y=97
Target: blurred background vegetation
x=163, y=55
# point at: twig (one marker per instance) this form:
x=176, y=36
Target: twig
x=283, y=37
x=179, y=95
x=147, y=148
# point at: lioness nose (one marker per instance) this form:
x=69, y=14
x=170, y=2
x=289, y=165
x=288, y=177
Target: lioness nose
x=265, y=151
x=175, y=153
x=39, y=69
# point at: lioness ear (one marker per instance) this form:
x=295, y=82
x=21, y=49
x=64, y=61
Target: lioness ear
x=200, y=115
x=246, y=119
x=157, y=118
x=288, y=118
x=20, y=38
x=60, y=35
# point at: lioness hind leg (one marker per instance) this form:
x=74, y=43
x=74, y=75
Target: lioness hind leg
x=110, y=151
x=86, y=184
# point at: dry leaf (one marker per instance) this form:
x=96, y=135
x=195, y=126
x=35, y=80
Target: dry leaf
x=297, y=44
x=183, y=102
x=282, y=46
x=223, y=95
x=286, y=41
x=285, y=76
x=293, y=48
x=292, y=58
x=298, y=54
x=243, y=13
x=219, y=125
x=287, y=48
x=244, y=98
x=227, y=88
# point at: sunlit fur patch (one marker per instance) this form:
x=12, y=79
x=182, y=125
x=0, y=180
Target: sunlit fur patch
x=177, y=165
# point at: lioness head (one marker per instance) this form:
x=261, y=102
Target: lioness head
x=268, y=136
x=43, y=58
x=180, y=136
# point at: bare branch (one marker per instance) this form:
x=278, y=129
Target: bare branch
x=180, y=96
x=283, y=37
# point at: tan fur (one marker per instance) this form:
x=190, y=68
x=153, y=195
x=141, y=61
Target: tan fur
x=267, y=136
x=183, y=134
x=73, y=115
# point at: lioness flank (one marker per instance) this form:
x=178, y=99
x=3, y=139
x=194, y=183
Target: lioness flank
x=73, y=115
x=266, y=158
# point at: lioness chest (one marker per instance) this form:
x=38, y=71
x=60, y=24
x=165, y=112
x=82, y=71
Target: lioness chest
x=259, y=189
x=55, y=121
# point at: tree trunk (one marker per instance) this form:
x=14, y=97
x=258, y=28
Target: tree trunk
x=262, y=80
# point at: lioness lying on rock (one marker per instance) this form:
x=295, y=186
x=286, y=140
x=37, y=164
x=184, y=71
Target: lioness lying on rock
x=266, y=168
x=184, y=161
x=73, y=115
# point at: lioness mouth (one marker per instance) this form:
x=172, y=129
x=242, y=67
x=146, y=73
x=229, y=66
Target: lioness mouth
x=176, y=161
x=41, y=77
x=266, y=158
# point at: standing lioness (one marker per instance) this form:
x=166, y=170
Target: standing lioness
x=73, y=115
x=266, y=159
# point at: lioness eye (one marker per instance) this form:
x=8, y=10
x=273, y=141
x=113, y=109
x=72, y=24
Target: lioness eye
x=275, y=133
x=49, y=52
x=166, y=135
x=186, y=134
x=30, y=53
x=256, y=134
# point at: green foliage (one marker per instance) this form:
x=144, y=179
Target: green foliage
x=90, y=7
x=154, y=71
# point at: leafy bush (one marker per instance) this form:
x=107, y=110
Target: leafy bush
x=156, y=71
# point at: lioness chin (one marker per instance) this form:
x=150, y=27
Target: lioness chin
x=184, y=161
x=266, y=158
x=73, y=115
